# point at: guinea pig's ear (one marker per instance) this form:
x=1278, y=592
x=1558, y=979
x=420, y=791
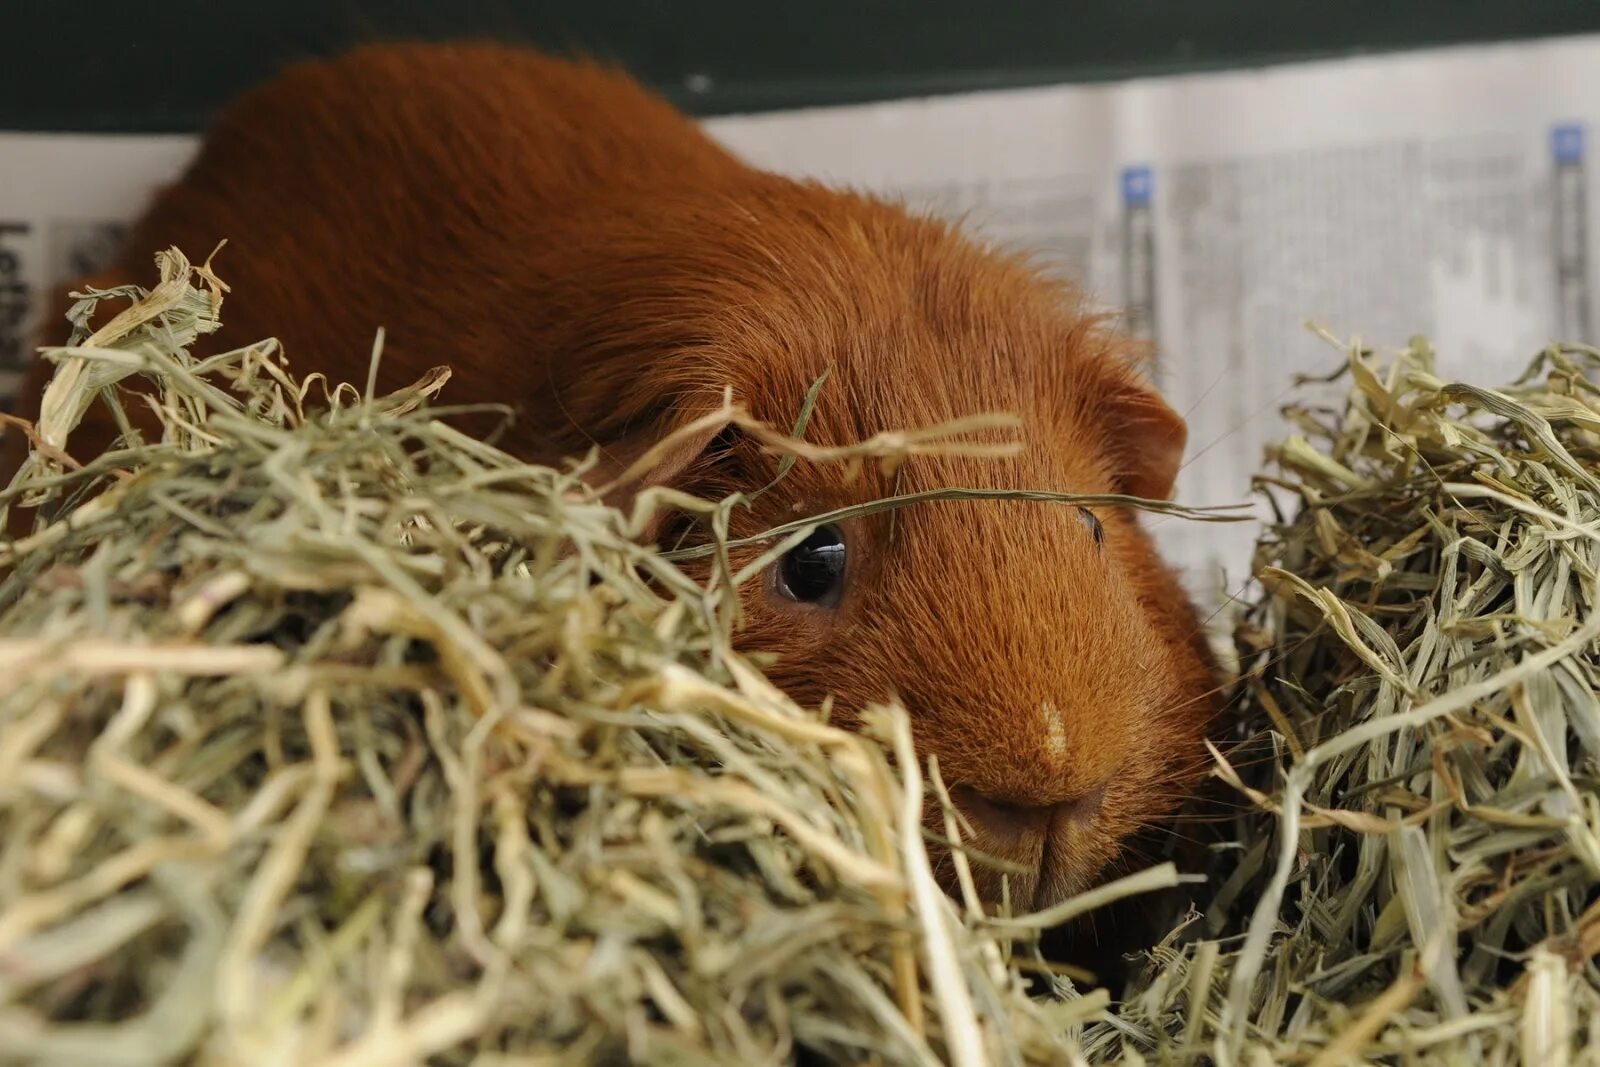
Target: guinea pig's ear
x=661, y=456
x=1147, y=437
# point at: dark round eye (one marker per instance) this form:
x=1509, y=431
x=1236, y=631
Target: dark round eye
x=1097, y=531
x=812, y=572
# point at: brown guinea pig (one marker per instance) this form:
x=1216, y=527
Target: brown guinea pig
x=572, y=245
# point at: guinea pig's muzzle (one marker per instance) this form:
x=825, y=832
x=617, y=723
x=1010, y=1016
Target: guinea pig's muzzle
x=1045, y=840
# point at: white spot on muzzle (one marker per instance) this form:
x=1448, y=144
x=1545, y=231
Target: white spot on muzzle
x=1055, y=731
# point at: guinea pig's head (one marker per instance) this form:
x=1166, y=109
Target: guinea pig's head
x=1047, y=656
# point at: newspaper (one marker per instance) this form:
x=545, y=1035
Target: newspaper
x=1442, y=192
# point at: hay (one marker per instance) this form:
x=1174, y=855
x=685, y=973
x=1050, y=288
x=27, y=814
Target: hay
x=1416, y=878
x=332, y=736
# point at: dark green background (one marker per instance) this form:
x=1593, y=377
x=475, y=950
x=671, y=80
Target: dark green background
x=150, y=65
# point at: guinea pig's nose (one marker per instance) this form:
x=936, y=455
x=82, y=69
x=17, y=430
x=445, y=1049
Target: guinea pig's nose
x=1004, y=818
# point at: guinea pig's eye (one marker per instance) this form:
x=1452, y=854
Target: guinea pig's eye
x=812, y=572
x=1097, y=531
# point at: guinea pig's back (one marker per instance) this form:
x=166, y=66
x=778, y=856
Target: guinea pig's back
x=359, y=192
x=354, y=178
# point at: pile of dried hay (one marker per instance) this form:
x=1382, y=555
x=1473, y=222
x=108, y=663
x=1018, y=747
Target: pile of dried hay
x=337, y=737
x=1418, y=878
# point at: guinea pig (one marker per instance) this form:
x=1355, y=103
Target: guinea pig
x=574, y=246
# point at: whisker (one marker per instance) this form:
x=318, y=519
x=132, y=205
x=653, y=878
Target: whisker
x=1271, y=404
x=1201, y=399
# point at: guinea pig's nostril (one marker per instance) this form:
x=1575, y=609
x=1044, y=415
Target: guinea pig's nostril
x=1085, y=807
x=983, y=808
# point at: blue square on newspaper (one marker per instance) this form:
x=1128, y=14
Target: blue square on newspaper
x=1137, y=185
x=1566, y=143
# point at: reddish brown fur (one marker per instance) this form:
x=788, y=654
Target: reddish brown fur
x=571, y=244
